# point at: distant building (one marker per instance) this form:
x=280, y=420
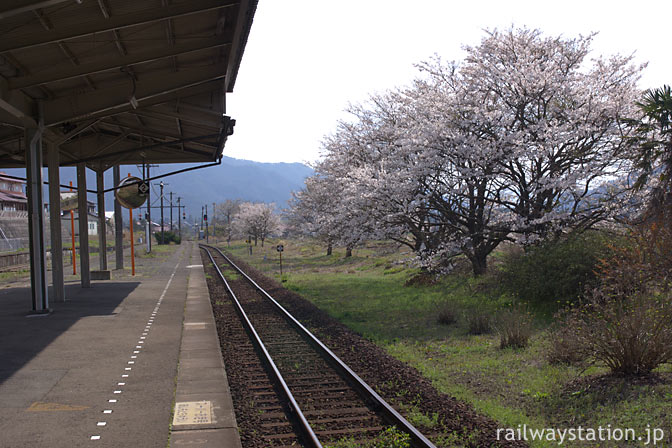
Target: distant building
x=12, y=195
x=92, y=218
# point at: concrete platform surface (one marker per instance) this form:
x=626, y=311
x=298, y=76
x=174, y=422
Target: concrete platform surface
x=102, y=368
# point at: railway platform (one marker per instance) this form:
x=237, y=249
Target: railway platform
x=134, y=361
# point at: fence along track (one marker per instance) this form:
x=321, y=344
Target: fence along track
x=333, y=364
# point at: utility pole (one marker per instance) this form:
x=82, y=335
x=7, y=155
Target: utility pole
x=149, y=208
x=206, y=223
x=179, y=217
x=162, y=234
x=72, y=232
x=199, y=229
x=148, y=224
x=214, y=228
x=171, y=211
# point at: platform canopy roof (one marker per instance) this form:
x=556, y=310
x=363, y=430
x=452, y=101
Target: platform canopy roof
x=120, y=81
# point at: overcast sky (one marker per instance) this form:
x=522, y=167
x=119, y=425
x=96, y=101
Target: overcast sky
x=306, y=60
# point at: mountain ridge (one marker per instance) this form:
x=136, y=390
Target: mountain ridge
x=241, y=179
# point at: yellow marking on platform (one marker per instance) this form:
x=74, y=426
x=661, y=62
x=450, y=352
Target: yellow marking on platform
x=192, y=413
x=40, y=406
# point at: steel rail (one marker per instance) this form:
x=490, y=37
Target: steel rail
x=294, y=406
x=419, y=440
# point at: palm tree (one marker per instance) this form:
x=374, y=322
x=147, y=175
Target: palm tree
x=655, y=128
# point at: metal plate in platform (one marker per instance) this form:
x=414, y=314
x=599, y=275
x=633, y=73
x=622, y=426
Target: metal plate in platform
x=193, y=413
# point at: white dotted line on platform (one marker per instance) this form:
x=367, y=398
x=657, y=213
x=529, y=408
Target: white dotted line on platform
x=136, y=352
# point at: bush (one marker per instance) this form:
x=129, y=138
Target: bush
x=478, y=323
x=556, y=271
x=626, y=321
x=514, y=326
x=631, y=335
x=168, y=237
x=566, y=347
x=447, y=316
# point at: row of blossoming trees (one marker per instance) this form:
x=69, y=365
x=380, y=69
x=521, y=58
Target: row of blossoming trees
x=254, y=221
x=526, y=138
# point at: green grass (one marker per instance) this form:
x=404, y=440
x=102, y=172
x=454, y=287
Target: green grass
x=11, y=276
x=367, y=292
x=162, y=251
x=388, y=438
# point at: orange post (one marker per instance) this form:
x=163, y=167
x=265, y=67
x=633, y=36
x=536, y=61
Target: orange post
x=130, y=211
x=72, y=233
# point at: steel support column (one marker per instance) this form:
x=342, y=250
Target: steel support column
x=118, y=223
x=85, y=268
x=55, y=224
x=38, y=265
x=102, y=228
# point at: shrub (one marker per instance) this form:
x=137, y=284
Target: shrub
x=626, y=321
x=478, y=323
x=168, y=237
x=422, y=279
x=514, y=326
x=632, y=335
x=447, y=316
x=566, y=347
x=556, y=271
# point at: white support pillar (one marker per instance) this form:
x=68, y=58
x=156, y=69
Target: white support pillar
x=85, y=268
x=102, y=228
x=55, y=224
x=38, y=265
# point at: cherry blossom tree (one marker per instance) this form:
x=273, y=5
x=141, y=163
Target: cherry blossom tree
x=256, y=220
x=522, y=140
x=311, y=211
x=527, y=137
x=228, y=210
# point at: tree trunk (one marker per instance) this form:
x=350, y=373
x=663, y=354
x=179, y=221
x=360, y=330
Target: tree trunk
x=329, y=249
x=348, y=252
x=255, y=240
x=479, y=264
x=262, y=242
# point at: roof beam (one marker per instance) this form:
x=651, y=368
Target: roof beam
x=165, y=137
x=165, y=98
x=76, y=131
x=11, y=8
x=193, y=117
x=170, y=34
x=243, y=22
x=108, y=100
x=47, y=25
x=183, y=105
x=117, y=22
x=115, y=63
x=179, y=129
x=105, y=9
x=147, y=147
x=18, y=105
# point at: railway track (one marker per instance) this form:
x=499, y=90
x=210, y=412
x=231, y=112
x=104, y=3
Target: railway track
x=303, y=393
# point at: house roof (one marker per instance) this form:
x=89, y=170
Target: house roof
x=120, y=81
x=9, y=197
x=9, y=179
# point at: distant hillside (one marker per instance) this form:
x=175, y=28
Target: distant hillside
x=233, y=179
x=238, y=179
